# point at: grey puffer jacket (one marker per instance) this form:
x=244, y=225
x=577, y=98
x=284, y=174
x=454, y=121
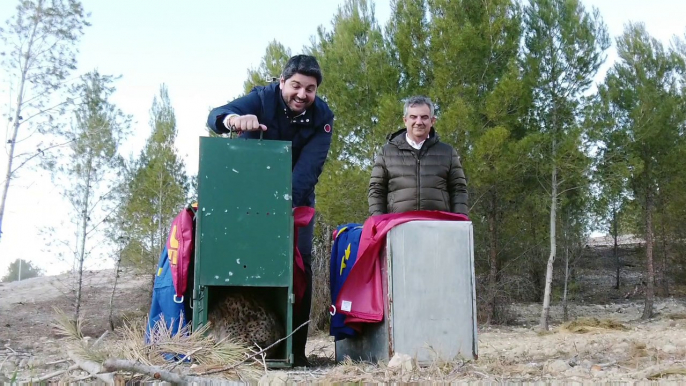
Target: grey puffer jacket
x=405, y=179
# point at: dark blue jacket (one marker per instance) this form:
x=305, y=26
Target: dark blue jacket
x=310, y=133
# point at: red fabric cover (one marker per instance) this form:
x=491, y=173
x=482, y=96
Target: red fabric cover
x=302, y=215
x=180, y=245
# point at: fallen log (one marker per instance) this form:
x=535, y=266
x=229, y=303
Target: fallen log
x=92, y=368
x=113, y=364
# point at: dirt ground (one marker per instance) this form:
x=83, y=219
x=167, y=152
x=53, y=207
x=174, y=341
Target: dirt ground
x=630, y=350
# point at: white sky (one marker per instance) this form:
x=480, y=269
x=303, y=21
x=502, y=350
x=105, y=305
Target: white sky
x=202, y=52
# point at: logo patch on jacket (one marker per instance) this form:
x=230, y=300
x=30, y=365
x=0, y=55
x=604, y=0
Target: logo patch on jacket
x=327, y=128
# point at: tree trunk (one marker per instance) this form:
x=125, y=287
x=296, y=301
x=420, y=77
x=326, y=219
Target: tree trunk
x=565, y=313
x=161, y=238
x=493, y=255
x=329, y=239
x=10, y=156
x=650, y=270
x=150, y=257
x=543, y=325
x=665, y=284
x=17, y=122
x=114, y=287
x=534, y=270
x=615, y=235
x=564, y=293
x=82, y=248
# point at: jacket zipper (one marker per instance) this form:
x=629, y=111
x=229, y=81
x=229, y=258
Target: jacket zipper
x=416, y=156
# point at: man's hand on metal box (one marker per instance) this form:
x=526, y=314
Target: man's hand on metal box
x=246, y=123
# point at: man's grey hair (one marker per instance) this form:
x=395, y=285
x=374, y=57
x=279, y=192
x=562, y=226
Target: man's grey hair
x=418, y=101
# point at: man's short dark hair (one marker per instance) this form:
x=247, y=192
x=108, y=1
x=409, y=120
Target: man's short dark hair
x=303, y=64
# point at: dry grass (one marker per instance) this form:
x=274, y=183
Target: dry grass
x=667, y=372
x=128, y=342
x=590, y=325
x=349, y=371
x=638, y=350
x=676, y=316
x=439, y=370
x=499, y=366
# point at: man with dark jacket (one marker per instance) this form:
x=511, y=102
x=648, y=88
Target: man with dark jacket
x=415, y=171
x=289, y=110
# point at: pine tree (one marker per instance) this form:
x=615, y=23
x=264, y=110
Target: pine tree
x=645, y=116
x=564, y=47
x=157, y=189
x=92, y=168
x=40, y=42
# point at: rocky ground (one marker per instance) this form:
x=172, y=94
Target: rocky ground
x=627, y=350
x=631, y=349
x=29, y=343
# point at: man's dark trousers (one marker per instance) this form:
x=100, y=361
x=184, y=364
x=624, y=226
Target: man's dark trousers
x=305, y=235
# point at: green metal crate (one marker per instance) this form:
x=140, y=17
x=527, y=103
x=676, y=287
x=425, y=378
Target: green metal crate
x=244, y=227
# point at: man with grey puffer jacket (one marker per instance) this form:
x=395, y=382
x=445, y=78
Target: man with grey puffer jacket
x=415, y=170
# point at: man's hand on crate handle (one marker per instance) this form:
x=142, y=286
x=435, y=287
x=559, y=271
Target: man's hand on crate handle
x=244, y=123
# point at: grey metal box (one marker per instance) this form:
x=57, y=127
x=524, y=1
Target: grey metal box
x=429, y=291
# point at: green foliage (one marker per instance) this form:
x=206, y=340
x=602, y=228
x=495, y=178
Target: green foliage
x=90, y=170
x=573, y=289
x=341, y=192
x=360, y=76
x=361, y=87
x=563, y=49
x=41, y=39
x=21, y=269
x=512, y=84
x=643, y=111
x=640, y=118
x=273, y=62
x=98, y=129
x=407, y=35
x=156, y=190
x=38, y=54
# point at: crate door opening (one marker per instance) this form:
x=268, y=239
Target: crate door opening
x=254, y=316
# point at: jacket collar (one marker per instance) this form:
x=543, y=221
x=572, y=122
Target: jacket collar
x=398, y=139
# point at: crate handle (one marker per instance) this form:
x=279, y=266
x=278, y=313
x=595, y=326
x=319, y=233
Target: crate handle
x=233, y=130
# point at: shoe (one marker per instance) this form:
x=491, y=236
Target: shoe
x=301, y=361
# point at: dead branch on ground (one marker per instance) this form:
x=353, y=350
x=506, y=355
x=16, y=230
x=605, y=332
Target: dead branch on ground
x=92, y=368
x=156, y=372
